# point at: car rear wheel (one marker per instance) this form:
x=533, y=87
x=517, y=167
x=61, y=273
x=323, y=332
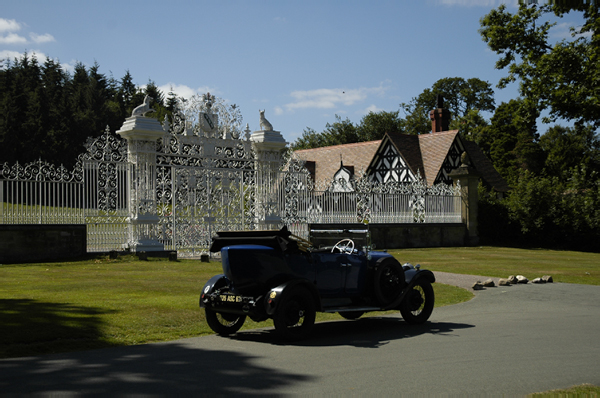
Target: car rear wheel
x=224, y=323
x=295, y=315
x=417, y=305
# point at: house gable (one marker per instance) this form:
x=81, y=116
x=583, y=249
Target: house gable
x=451, y=162
x=397, y=159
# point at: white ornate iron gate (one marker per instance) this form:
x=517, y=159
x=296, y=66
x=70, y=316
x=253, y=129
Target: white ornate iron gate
x=180, y=186
x=203, y=185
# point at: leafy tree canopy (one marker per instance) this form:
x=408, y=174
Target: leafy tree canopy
x=461, y=98
x=563, y=78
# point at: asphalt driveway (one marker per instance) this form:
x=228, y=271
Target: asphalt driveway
x=507, y=340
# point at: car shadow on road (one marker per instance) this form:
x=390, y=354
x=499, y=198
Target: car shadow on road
x=370, y=332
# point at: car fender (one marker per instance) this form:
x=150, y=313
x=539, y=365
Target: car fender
x=213, y=283
x=278, y=293
x=411, y=276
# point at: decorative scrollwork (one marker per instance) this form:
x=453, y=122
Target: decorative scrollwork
x=39, y=171
x=107, y=148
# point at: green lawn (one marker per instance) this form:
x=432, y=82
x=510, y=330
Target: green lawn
x=66, y=306
x=582, y=391
x=564, y=266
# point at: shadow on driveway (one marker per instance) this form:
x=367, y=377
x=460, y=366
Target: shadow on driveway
x=371, y=332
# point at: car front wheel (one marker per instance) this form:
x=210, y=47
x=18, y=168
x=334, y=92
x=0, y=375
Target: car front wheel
x=417, y=305
x=295, y=315
x=224, y=323
x=388, y=281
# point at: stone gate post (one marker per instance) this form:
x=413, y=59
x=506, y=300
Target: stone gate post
x=468, y=178
x=269, y=146
x=141, y=134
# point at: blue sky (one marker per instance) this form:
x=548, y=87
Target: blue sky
x=301, y=61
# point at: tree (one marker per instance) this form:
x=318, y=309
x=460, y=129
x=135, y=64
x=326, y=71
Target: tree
x=511, y=140
x=567, y=148
x=129, y=94
x=472, y=126
x=373, y=126
x=48, y=113
x=336, y=133
x=461, y=97
x=562, y=78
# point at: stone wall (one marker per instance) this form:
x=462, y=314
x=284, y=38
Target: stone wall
x=399, y=236
x=36, y=243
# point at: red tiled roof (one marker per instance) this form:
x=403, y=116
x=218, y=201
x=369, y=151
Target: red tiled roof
x=327, y=159
x=434, y=149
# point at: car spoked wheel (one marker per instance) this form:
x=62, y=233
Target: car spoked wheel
x=295, y=315
x=388, y=279
x=417, y=305
x=224, y=323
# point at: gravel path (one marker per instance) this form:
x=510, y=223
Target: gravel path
x=460, y=280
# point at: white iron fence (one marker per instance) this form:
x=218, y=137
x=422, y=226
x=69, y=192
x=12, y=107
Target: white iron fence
x=203, y=185
x=366, y=201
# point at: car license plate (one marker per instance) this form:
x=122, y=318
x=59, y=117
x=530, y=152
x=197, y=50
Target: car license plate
x=230, y=298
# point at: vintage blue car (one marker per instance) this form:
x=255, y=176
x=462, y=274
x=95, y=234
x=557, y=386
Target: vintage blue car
x=274, y=274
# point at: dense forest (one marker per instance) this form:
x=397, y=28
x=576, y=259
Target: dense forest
x=553, y=169
x=48, y=113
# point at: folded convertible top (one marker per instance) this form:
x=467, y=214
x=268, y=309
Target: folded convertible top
x=278, y=240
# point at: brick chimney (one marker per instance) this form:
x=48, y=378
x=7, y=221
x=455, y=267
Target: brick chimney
x=440, y=117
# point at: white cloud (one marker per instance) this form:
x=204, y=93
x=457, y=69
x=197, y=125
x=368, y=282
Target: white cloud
x=372, y=108
x=328, y=98
x=563, y=31
x=9, y=25
x=12, y=38
x=45, y=38
x=10, y=55
x=181, y=90
x=278, y=110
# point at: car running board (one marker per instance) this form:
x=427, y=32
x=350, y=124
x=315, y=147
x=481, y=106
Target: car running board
x=350, y=309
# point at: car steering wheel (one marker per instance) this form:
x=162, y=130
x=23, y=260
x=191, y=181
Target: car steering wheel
x=344, y=246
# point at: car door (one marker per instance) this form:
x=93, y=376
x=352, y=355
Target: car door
x=354, y=269
x=330, y=273
x=338, y=274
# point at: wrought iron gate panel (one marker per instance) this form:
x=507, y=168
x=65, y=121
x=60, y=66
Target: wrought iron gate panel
x=204, y=185
x=104, y=170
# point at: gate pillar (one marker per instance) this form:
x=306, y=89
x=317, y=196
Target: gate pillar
x=269, y=147
x=468, y=178
x=141, y=134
